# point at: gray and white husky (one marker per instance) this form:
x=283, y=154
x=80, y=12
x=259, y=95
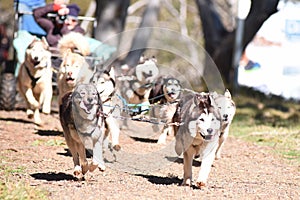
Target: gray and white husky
x=104, y=80
x=83, y=127
x=227, y=108
x=197, y=134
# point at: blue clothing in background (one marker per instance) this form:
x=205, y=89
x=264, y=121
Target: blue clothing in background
x=27, y=21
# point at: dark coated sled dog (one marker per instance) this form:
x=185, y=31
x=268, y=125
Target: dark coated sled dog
x=166, y=94
x=198, y=134
x=104, y=80
x=83, y=126
x=35, y=79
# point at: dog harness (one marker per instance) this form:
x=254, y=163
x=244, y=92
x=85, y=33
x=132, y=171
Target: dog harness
x=33, y=79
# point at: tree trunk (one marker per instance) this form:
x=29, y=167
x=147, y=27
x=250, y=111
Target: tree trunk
x=111, y=17
x=140, y=40
x=219, y=43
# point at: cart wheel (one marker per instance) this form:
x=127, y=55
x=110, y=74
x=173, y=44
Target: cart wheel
x=8, y=91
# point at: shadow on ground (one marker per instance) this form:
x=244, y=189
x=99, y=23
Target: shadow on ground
x=52, y=176
x=161, y=180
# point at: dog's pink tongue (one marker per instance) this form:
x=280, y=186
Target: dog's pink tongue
x=70, y=80
x=84, y=107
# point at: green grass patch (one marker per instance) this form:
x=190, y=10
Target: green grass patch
x=268, y=121
x=12, y=188
x=20, y=190
x=51, y=142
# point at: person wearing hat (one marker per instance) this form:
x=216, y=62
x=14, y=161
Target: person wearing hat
x=64, y=22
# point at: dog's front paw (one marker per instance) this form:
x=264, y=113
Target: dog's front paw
x=117, y=147
x=46, y=111
x=200, y=184
x=92, y=167
x=161, y=140
x=186, y=182
x=101, y=167
x=218, y=156
x=77, y=171
x=95, y=165
x=29, y=113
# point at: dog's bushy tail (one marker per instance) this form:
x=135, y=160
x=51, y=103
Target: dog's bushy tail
x=75, y=42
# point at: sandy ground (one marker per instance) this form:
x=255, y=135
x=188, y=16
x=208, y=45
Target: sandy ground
x=142, y=169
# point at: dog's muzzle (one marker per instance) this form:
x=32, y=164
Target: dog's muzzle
x=210, y=135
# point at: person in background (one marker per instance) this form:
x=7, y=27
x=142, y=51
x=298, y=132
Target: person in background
x=65, y=20
x=26, y=19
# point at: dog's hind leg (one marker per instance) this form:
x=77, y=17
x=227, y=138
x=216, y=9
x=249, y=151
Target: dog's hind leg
x=221, y=143
x=114, y=129
x=47, y=101
x=163, y=136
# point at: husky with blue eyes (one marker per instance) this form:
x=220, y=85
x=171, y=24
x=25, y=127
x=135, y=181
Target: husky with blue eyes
x=197, y=134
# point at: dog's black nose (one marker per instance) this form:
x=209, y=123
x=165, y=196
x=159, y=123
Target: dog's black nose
x=209, y=130
x=36, y=58
x=90, y=100
x=225, y=116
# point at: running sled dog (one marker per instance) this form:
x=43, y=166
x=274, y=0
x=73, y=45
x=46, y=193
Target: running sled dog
x=35, y=79
x=165, y=94
x=198, y=134
x=104, y=80
x=227, y=108
x=74, y=68
x=204, y=121
x=83, y=127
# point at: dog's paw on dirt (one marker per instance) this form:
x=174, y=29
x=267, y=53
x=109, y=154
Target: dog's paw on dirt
x=200, y=184
x=186, y=182
x=92, y=167
x=101, y=167
x=77, y=171
x=30, y=114
x=117, y=147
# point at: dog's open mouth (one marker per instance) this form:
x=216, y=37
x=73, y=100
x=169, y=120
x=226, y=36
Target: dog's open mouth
x=87, y=107
x=70, y=80
x=207, y=137
x=172, y=94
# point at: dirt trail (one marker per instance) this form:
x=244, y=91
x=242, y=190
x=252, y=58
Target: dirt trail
x=246, y=171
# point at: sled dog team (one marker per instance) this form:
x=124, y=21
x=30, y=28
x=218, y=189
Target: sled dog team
x=200, y=122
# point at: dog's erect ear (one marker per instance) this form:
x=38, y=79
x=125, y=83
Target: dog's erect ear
x=112, y=73
x=45, y=41
x=142, y=59
x=68, y=51
x=214, y=94
x=227, y=94
x=154, y=59
x=34, y=39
